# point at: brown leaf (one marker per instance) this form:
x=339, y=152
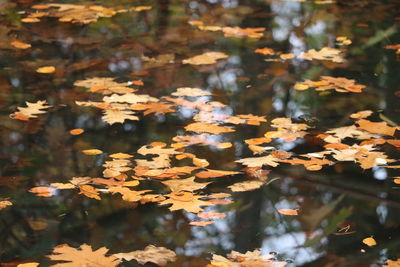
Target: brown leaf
x=187, y=184
x=206, y=58
x=84, y=256
x=376, y=127
x=20, y=45
x=89, y=191
x=246, y=186
x=4, y=204
x=158, y=255
x=200, y=127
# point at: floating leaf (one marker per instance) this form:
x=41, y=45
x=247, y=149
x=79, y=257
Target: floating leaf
x=46, y=69
x=4, y=204
x=84, y=256
x=157, y=255
x=290, y=212
x=206, y=58
x=369, y=241
x=20, y=45
x=76, y=131
x=92, y=152
x=31, y=111
x=246, y=186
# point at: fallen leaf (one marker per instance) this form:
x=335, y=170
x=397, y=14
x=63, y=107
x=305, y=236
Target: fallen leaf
x=46, y=69
x=376, y=127
x=76, y=131
x=157, y=255
x=369, y=241
x=31, y=111
x=92, y=152
x=192, y=92
x=206, y=58
x=288, y=212
x=200, y=127
x=187, y=184
x=185, y=201
x=84, y=256
x=246, y=186
x=4, y=204
x=20, y=45
x=201, y=223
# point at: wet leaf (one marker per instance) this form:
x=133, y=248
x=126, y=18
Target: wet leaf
x=76, y=131
x=290, y=212
x=185, y=201
x=157, y=255
x=83, y=256
x=4, y=204
x=20, y=45
x=369, y=241
x=46, y=69
x=92, y=152
x=31, y=111
x=187, y=184
x=206, y=58
x=200, y=127
x=246, y=186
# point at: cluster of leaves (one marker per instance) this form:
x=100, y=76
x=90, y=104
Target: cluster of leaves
x=74, y=13
x=183, y=174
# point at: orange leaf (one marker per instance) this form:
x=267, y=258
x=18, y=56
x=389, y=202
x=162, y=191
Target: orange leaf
x=76, y=131
x=290, y=212
x=46, y=69
x=20, y=45
x=91, y=152
x=369, y=241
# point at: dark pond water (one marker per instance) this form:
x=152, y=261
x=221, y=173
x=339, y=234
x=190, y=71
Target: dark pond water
x=338, y=206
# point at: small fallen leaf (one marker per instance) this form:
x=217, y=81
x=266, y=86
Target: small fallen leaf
x=28, y=264
x=201, y=223
x=46, y=69
x=369, y=241
x=76, y=131
x=4, y=204
x=290, y=212
x=20, y=45
x=92, y=152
